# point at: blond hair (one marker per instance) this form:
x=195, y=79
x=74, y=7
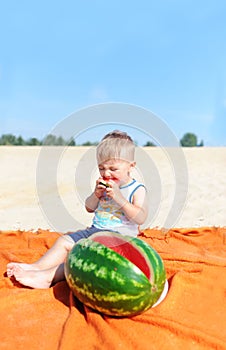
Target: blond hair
x=116, y=145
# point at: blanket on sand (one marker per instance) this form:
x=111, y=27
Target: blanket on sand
x=192, y=316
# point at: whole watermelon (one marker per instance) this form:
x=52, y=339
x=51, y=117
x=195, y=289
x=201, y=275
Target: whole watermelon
x=114, y=274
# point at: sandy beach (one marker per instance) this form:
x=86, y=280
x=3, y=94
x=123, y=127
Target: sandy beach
x=46, y=188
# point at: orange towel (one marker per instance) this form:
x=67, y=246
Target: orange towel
x=192, y=316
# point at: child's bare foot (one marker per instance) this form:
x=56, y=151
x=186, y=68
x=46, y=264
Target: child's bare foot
x=39, y=279
x=12, y=266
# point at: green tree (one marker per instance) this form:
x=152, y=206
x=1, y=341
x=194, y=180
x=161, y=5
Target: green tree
x=89, y=143
x=71, y=142
x=50, y=140
x=189, y=140
x=149, y=144
x=8, y=139
x=60, y=141
x=20, y=141
x=57, y=141
x=33, y=142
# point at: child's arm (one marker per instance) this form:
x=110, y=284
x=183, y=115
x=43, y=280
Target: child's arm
x=92, y=201
x=136, y=211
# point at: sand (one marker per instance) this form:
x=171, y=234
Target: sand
x=46, y=187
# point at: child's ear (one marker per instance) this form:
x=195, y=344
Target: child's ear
x=132, y=164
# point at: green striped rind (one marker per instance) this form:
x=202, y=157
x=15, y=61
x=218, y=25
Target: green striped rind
x=108, y=282
x=158, y=273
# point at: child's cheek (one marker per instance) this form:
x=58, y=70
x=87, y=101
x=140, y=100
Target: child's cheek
x=116, y=180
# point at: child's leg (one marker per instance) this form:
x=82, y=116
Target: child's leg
x=40, y=279
x=49, y=268
x=51, y=259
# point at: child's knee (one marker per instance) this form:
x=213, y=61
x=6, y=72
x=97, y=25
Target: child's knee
x=66, y=241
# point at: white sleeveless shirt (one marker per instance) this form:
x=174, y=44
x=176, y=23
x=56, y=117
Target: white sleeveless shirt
x=109, y=215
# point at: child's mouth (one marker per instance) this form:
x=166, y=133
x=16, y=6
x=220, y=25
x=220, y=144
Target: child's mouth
x=112, y=179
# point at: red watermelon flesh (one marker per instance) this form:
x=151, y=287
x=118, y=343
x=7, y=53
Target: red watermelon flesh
x=127, y=249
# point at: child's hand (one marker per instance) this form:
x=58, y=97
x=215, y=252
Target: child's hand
x=113, y=191
x=100, y=188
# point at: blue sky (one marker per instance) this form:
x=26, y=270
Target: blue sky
x=165, y=56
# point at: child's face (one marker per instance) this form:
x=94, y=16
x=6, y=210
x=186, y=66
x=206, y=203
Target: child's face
x=116, y=169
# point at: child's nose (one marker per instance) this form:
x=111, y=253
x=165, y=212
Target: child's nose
x=107, y=174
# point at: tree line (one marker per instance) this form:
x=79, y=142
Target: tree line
x=188, y=140
x=49, y=140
